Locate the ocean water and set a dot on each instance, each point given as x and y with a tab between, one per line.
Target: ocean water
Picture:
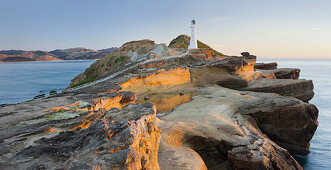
318	70
24	80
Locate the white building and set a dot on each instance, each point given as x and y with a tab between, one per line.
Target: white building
193	43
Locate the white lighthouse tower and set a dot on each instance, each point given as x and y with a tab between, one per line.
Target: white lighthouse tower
193	43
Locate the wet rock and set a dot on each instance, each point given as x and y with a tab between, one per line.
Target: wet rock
266	66
52	92
39	96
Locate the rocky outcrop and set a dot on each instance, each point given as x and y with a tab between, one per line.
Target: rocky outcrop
282	73
158	108
183	41
114	61
266	66
217	126
300	89
116	139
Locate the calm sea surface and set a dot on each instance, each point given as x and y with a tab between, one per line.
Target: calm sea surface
22	81
318	70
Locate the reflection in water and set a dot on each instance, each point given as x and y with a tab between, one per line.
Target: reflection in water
166	102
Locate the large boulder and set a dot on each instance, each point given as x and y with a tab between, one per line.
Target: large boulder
300	89
281	73
217	127
266	66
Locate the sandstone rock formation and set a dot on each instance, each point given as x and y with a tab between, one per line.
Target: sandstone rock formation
153	107
282	73
266	66
300	89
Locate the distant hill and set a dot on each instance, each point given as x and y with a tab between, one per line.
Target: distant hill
112	49
17	59
55	55
78	54
23	56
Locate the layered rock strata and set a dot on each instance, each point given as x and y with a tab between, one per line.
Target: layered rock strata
176	110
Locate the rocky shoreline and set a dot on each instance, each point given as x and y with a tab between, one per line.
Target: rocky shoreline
171	110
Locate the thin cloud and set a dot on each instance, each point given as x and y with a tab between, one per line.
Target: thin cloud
316	28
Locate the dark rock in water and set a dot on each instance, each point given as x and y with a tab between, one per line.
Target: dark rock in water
288	122
53	92
266	66
4	105
39	96
287	73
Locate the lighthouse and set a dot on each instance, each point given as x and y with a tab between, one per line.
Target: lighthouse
193	42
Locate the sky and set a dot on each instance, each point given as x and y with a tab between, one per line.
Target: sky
266	28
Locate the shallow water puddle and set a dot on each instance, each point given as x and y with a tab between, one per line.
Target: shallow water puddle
166	102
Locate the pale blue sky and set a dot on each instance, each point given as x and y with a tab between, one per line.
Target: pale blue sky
267	28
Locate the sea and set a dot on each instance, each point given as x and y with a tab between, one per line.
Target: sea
22	81
318	70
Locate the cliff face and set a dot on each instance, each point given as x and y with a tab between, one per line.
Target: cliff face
129	52
163	109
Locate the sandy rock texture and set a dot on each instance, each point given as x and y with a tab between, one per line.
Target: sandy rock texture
163	108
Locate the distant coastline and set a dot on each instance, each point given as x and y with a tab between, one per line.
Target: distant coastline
80	53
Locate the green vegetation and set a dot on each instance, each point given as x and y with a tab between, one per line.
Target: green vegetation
120	60
60	115
110	62
183	41
88	80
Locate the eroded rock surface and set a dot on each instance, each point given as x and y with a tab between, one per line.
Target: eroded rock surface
117	139
282	73
266	66
300	89
152	107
